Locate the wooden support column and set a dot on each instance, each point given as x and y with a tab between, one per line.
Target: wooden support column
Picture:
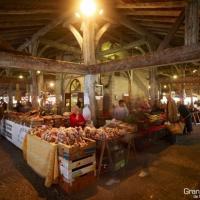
17	93
191	93
40	81
63	92
153	81
89	59
58	91
153	84
10	97
192	22
183	86
10	92
191	26
34	92
28	91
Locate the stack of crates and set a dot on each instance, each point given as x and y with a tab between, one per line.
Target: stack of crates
118	155
77	166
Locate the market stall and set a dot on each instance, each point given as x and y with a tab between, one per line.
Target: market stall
109	141
72	156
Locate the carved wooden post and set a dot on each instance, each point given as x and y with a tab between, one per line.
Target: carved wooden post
191	26
87	42
58	90
28	91
17	94
183	86
10	97
153	84
40	83
34	92
10	91
191	93
89	58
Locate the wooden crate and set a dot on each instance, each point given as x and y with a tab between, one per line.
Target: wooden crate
79	183
75	162
75	153
70	170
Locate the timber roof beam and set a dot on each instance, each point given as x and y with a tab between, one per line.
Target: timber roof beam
11	60
165	57
152	5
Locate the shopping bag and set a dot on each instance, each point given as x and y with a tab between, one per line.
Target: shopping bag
176	128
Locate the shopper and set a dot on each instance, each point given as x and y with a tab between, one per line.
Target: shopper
28	106
19	106
79	103
87	113
121	111
144	106
76	118
186	117
3	104
172	111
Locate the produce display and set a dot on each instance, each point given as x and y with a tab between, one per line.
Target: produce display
126	127
69	136
33	118
75	136
159	118
102	133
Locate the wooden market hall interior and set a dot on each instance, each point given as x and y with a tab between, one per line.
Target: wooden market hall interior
99	99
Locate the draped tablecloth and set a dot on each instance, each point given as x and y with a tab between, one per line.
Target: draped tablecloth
41	156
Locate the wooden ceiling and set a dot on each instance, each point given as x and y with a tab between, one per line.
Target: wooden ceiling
21	19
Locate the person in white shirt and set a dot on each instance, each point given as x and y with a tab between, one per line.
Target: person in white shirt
87	113
121	111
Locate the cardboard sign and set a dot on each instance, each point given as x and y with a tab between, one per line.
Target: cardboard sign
14	132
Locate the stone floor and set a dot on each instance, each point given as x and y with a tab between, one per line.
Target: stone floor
170	168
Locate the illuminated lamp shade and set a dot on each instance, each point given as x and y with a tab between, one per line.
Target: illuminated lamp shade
101	12
51	84
77	15
194	71
21	77
88	7
175	77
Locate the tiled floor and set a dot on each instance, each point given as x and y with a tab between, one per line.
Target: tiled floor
171	168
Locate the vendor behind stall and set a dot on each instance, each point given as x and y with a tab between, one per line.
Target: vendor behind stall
76	118
156	108
120	112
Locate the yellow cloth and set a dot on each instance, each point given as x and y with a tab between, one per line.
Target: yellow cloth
41	156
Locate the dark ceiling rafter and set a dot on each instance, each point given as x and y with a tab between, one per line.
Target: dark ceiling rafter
45	30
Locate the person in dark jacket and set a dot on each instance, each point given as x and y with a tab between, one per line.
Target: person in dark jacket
186	117
3	104
19	106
